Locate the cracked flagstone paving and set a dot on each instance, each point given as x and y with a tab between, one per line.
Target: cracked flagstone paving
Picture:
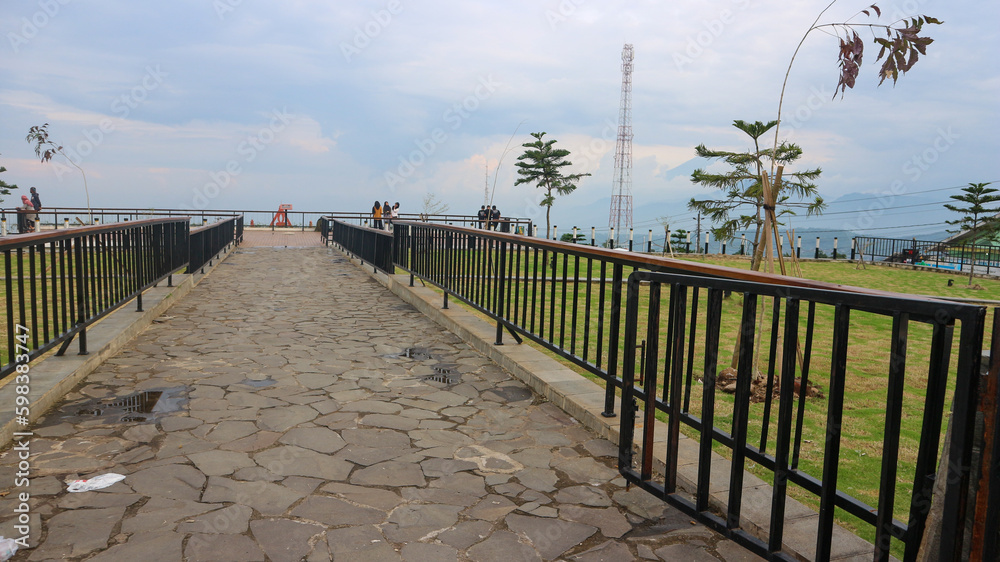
302	425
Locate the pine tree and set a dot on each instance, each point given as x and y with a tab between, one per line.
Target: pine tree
541	164
977	216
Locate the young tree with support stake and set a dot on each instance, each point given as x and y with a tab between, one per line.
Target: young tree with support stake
977	218
541	164
46	148
743	188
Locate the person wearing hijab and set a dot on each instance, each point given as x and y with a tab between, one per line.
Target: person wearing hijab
26	216
377	215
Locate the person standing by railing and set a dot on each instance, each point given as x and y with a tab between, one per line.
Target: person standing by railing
394	213
482	215
26	217
377	215
37	204
387	215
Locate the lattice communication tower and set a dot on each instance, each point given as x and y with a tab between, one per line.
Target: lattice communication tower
620	217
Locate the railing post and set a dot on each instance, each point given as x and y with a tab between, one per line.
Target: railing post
593	236
852	248
81	293
798	250
616	305
501	278
447	267
409	236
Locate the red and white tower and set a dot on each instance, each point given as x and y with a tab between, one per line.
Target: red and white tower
620	218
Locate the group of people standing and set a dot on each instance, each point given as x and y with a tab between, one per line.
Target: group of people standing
489	217
384	214
27	212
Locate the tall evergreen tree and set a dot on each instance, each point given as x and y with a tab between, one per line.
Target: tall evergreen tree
542	165
978	216
4	186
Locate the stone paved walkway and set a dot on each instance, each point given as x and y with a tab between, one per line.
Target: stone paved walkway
306	413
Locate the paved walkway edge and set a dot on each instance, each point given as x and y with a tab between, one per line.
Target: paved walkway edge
584	400
54	376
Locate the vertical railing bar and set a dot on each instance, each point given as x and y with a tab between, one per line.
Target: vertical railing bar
511	281
769	388
834	424
963	422
678	318
744	372
33	288
890	443
67	270
649	384
9	295
552	297
779	490
803	383
616	303
55	288
690	355
627	434
586	310
713	326
562	313
541	306
600	315
81	292
534	288
46	335
668	348
576	302
520	280
21	301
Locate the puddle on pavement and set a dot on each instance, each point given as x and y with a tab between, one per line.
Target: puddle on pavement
444	373
417	353
258	383
512	393
135	408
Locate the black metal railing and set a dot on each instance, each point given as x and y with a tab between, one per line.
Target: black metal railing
207	241
982	258
666	390
570	299
368	244
59	282
566	297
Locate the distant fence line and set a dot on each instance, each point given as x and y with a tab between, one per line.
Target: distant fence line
65	217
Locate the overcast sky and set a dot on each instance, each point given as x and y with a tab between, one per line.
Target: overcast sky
330	105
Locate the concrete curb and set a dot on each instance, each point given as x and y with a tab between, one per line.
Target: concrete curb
584	400
53	376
